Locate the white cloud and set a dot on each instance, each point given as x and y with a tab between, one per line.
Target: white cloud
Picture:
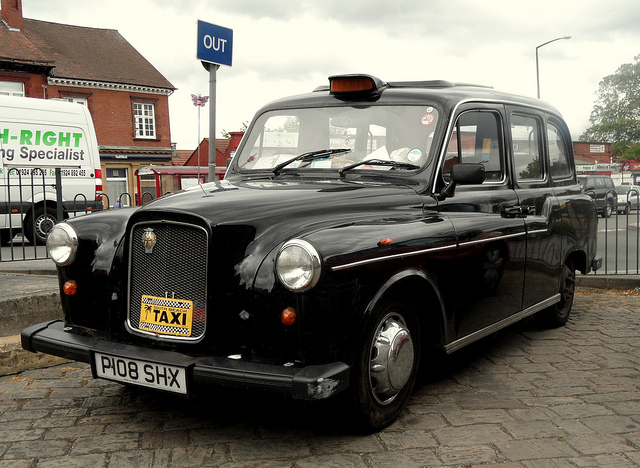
284	47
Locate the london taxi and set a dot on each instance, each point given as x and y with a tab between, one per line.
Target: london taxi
358	227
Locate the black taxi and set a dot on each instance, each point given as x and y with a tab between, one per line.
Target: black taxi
358	227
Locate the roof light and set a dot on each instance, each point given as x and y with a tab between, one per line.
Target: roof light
350	84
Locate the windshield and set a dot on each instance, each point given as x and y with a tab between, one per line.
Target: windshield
384	133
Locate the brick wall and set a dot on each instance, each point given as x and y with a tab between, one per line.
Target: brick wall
112	113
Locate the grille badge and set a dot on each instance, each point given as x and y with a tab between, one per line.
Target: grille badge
149	240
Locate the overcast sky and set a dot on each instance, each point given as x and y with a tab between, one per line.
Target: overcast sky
285	47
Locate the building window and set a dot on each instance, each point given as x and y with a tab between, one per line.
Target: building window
145	120
11	88
77	99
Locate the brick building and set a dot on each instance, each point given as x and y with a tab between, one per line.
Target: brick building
596	158
127	97
225	149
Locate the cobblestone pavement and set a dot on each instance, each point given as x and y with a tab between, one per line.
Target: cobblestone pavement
525	397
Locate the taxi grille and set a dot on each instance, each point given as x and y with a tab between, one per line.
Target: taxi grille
168	260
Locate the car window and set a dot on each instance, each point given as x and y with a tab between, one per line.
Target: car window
391	133
476	139
525	136
558	154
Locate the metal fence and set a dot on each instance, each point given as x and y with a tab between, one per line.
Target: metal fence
619	243
31	203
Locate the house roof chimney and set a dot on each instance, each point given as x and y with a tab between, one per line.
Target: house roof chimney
12	13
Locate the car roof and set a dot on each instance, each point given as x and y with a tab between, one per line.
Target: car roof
435	92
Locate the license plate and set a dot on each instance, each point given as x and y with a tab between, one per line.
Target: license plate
166	316
143	373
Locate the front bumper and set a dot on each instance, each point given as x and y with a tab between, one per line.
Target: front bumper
302	383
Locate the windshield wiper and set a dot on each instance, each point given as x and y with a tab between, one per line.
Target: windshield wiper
310	156
378	162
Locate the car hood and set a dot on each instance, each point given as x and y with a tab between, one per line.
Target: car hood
289	206
248	220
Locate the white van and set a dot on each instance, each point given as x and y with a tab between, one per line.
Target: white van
38	137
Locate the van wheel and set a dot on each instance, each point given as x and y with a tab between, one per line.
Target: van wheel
386	365
607	211
558	314
37	231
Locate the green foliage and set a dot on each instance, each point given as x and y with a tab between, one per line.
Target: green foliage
243	128
616	114
625	150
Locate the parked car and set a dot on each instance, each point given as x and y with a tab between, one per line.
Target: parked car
357	227
602	190
628	198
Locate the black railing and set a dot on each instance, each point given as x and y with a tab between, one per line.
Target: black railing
30	204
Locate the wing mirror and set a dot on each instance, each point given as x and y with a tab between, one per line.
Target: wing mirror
463	174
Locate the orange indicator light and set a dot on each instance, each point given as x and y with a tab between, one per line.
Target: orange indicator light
70	288
385	241
288	316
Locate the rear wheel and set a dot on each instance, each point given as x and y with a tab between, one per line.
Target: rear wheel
386	365
38	225
558	314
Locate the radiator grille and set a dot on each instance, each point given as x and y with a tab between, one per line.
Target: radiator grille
175	267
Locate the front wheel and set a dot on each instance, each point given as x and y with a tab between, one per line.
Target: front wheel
38	225
386	366
607	211
558	314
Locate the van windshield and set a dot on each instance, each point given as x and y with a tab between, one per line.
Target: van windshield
389	133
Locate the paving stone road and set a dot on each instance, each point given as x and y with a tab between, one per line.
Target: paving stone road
526	397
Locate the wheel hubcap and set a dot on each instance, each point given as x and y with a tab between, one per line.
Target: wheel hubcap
44	224
391	358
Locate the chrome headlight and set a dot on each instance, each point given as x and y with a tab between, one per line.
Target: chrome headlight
298	265
62	244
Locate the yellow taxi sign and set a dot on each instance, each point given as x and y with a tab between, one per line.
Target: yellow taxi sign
166	316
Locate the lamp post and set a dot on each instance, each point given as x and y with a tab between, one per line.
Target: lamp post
199	101
537	67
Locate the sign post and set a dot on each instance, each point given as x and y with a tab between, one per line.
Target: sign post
215	48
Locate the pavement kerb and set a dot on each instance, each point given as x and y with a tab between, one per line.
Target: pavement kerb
13	359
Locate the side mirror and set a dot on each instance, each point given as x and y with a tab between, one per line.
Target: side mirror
463	174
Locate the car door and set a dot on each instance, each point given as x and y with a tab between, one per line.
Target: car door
539	207
489	265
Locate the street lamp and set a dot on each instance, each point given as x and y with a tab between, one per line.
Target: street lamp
537	68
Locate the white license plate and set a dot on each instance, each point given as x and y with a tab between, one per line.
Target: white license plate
143	373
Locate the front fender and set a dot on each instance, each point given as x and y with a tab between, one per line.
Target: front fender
99	269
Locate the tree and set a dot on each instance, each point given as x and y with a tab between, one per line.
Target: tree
227	135
616	114
624	150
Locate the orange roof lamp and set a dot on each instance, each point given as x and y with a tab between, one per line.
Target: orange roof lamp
353	86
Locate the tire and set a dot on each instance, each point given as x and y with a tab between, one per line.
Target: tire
5	237
558	314
37	232
386	366
607	211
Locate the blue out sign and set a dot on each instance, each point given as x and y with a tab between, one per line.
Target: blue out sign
215	43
